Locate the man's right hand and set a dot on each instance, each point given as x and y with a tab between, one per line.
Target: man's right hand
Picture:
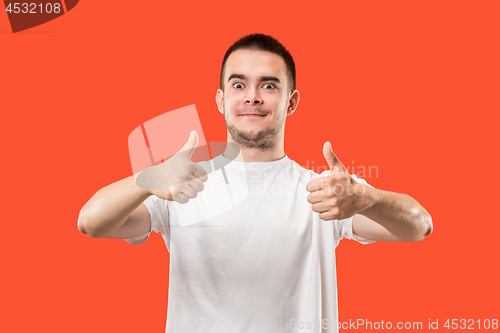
177	179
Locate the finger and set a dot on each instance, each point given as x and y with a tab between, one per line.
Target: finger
318	183
330	204
196	184
332	160
327	216
190	145
188	191
320	207
314	197
318	196
328	154
200	173
180	198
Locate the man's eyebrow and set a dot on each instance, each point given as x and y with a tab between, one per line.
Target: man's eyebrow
261	79
269	78
237	76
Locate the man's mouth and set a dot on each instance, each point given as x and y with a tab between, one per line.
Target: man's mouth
252	115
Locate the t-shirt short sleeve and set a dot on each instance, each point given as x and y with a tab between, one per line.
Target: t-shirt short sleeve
344	230
158	212
348	224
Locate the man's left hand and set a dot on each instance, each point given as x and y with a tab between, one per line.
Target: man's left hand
336	196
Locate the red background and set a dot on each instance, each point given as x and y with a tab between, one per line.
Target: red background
409	87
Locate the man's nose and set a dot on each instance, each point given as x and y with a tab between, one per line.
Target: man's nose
253	97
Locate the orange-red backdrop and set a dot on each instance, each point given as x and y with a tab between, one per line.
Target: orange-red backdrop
409	87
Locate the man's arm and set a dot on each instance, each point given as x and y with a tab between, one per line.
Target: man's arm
378	215
391	217
116	211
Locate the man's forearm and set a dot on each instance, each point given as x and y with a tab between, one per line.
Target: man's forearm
399	213
108	209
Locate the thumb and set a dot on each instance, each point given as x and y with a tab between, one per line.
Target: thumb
190	145
330	157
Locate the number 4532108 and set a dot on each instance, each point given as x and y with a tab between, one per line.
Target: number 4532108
33	8
471	324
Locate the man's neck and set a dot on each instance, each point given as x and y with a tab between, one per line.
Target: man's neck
245	154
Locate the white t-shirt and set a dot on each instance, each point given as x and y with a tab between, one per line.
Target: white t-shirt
249	254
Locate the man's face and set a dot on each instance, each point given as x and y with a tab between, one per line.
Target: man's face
256	98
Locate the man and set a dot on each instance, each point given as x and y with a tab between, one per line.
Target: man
268	264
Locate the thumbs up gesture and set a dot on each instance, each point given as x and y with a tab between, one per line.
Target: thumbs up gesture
177	179
336	196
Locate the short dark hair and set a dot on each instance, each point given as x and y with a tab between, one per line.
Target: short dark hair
261	42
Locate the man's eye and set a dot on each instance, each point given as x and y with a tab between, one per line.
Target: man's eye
269	86
237	85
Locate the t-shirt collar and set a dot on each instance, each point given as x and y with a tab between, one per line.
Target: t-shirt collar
251	165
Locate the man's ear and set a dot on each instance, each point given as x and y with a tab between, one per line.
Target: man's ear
293	102
219	99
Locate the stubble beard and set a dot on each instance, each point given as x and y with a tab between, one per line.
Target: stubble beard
265	139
